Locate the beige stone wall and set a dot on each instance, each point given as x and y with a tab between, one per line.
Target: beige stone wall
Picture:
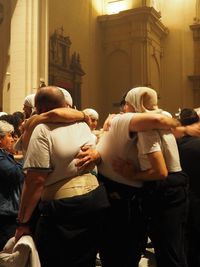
29	54
25	56
178	54
5	54
79	20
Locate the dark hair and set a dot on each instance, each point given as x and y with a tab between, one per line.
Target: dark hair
123	101
188	116
19	115
13	120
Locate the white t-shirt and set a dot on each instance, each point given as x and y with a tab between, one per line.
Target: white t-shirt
158	140
117	142
53	147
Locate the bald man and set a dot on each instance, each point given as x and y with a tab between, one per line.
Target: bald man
72	201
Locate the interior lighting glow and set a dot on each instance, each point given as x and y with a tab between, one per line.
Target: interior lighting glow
116	6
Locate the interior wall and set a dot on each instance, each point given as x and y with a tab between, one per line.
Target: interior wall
78	19
178	58
6	13
80	23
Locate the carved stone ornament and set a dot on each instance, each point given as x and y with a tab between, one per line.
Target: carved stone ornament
1	13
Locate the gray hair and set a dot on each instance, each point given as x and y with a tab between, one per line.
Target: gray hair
5	128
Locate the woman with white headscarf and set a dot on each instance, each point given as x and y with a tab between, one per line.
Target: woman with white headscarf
165	200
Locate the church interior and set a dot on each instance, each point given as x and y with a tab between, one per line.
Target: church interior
99	49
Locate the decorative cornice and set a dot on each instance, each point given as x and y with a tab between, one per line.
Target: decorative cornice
141	14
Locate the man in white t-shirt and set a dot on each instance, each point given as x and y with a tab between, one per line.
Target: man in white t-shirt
72	201
123	225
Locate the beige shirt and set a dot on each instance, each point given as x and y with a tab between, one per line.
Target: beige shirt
117	142
158	140
53	148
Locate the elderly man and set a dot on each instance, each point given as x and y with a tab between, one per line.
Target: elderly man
28	105
72	201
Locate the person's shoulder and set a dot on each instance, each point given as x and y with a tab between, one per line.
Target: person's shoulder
123	116
166	113
43	127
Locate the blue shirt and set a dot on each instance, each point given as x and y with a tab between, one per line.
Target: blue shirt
11	179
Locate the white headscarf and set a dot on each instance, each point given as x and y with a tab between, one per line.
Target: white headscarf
67	96
3	113
143	99
91	113
30	100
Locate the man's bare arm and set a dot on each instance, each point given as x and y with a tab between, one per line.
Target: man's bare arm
192	129
145	121
56	115
126	168
31	194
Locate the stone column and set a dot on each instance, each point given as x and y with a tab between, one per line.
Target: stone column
28	49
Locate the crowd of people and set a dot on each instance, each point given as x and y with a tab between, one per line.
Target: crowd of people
80	191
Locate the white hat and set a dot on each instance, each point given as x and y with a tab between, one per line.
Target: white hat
67	96
30	100
142	99
3	113
91	113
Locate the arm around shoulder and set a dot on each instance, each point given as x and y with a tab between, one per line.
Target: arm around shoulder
149	121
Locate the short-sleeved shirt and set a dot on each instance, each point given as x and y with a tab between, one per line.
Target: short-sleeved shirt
158	140
117	142
53	148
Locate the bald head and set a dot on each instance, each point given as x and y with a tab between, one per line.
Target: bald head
48	98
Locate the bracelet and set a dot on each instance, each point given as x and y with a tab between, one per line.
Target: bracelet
85	117
21	223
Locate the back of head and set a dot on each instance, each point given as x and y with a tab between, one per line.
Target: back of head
91	113
5	128
48	98
188	116
143	99
20	115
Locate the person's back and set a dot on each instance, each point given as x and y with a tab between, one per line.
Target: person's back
189	149
121	144
62	144
71	199
124	221
165	200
